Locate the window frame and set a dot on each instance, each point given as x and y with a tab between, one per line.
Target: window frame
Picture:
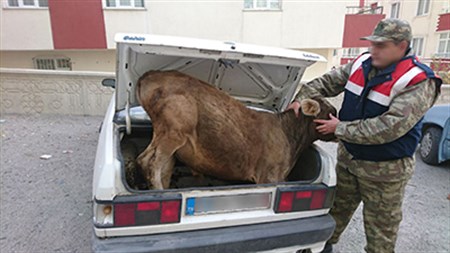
397	13
21	5
119	6
446	45
445	8
416	52
266	8
425	11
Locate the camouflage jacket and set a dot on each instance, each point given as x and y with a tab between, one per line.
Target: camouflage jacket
405	110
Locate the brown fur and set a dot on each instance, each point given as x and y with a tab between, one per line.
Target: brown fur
214	134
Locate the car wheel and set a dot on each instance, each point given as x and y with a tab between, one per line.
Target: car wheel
429	145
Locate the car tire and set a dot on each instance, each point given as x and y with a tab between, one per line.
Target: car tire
429	145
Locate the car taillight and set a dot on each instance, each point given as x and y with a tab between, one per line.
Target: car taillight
146	213
286	201
170	212
302	199
124	214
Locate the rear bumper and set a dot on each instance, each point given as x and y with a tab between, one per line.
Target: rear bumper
256	237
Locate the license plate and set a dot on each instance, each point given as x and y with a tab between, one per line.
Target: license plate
230	203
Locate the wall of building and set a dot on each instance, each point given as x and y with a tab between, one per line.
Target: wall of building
298	25
35	92
25	29
82	60
314	25
124	21
208	19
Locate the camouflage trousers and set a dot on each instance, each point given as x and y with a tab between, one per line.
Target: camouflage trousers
382	202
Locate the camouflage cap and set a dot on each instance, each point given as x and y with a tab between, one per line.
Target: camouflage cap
391	29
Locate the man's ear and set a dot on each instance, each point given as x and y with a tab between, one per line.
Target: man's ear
404	45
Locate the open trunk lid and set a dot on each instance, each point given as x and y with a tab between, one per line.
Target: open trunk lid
259	76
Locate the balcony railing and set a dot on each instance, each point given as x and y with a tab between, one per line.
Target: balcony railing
442	55
443	23
364	10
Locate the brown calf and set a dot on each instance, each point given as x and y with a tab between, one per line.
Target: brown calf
216	135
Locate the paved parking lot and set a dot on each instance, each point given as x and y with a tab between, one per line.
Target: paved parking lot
46	204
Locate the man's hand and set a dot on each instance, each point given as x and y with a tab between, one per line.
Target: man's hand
294	106
327	126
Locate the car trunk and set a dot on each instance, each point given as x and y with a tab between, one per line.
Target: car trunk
206	202
264	79
306	170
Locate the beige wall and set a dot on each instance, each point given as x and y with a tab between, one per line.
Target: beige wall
33	92
299	24
208	19
91	60
263	27
131	21
25	29
314	24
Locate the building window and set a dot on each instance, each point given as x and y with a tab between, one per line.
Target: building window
262	4
417	46
395	10
423	7
52	63
443	50
351	52
27	3
125	3
445	7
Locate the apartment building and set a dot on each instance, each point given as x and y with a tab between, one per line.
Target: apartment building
78	35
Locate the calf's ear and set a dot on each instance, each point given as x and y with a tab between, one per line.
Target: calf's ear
310	107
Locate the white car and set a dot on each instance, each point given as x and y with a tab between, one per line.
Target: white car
209	215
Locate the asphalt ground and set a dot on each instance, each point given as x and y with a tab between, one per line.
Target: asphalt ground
45	204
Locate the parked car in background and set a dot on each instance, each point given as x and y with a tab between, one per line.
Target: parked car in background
435	144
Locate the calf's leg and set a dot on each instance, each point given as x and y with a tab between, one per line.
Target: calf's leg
158	159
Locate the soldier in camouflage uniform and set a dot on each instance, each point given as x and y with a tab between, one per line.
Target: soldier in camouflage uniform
386	93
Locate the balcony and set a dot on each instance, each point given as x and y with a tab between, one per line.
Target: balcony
443	22
77	24
360	22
